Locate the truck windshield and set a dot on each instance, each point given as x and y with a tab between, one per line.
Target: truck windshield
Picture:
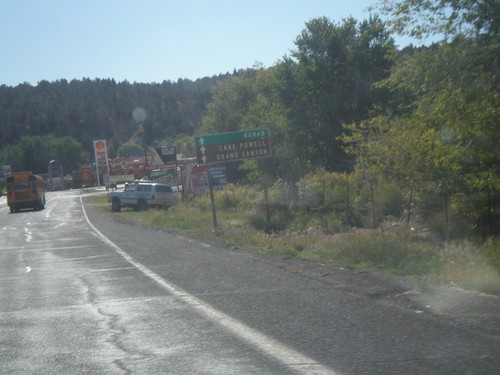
130	187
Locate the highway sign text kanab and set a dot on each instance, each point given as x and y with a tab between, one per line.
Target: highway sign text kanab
219	148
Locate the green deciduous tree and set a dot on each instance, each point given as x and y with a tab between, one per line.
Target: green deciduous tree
328	81
130	149
448	140
33	153
230	103
250	101
421	18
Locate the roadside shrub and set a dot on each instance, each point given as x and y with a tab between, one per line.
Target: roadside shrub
235	197
479	212
390	199
332	195
274	225
491	250
325	223
201	202
273	214
468	265
456	228
392	251
280	194
312	189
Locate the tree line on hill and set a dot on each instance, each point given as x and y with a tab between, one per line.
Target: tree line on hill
87	109
345	100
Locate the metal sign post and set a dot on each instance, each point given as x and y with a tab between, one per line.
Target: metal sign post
212	200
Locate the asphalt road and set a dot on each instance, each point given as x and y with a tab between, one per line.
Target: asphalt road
82	293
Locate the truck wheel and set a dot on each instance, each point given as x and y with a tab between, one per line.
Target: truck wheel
116	204
142	205
39	205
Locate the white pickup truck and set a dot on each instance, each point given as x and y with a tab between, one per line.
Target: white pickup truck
141	195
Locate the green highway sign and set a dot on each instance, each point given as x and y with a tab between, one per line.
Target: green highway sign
223	147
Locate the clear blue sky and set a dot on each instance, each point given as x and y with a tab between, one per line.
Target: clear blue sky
152	40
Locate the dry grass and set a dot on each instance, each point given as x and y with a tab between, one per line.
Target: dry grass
460	263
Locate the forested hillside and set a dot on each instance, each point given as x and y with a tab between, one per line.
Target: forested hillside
305	98
103	109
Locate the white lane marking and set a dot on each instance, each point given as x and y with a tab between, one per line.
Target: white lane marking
113	269
58	248
16	248
291	358
53	234
29	237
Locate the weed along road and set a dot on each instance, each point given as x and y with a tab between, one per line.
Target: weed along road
82	293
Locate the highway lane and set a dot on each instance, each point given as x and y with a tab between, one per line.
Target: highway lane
80	293
71	304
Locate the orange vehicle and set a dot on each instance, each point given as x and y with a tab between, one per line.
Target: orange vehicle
25	190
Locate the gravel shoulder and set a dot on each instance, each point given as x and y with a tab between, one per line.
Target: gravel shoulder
466	309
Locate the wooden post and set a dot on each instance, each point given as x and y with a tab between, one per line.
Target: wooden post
446	219
348	208
409	210
212	200
373	205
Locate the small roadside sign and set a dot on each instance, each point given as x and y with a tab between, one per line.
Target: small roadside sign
166	154
218	176
6	170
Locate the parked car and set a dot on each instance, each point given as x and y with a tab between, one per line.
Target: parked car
141	195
